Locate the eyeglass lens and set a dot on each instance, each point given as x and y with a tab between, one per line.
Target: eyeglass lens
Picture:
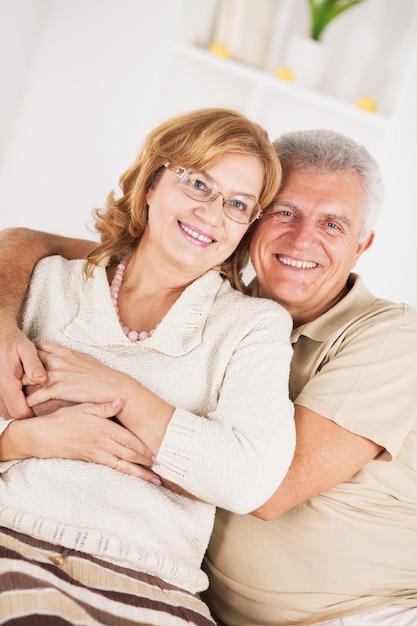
199	186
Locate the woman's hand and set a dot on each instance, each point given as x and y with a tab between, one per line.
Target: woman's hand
75	377
80	432
18	357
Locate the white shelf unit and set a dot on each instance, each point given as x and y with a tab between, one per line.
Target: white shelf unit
196	77
276	104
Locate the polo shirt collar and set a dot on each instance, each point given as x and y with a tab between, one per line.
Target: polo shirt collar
357	299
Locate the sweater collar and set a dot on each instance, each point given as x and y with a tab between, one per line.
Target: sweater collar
178	333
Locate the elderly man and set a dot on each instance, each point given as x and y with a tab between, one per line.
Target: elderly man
342	546
339	546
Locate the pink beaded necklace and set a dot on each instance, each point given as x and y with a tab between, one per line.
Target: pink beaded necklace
116	283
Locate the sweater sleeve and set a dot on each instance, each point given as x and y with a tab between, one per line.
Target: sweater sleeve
4	465
238	455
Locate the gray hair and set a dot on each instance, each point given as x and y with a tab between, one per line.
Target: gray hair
329	151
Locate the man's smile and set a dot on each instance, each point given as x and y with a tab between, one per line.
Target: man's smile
303	265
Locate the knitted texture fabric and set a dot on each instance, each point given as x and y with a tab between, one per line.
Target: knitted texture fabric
222	359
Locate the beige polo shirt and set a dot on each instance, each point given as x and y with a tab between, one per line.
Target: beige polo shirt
353	548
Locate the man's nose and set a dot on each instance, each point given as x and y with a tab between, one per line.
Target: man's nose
302	234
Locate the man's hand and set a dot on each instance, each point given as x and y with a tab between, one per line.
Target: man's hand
74	376
47	407
18	356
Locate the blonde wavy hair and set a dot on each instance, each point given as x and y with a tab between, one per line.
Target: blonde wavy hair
192	140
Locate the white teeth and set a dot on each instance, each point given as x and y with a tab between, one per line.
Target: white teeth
196	235
303	265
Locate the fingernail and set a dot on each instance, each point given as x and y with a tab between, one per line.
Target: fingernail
116	403
156	481
38	373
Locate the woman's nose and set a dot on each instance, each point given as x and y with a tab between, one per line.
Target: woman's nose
211	212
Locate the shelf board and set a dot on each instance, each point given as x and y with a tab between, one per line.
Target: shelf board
260	78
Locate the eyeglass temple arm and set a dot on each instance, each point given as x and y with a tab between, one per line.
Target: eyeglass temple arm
179	171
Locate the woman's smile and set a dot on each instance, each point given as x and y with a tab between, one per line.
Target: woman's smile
195	235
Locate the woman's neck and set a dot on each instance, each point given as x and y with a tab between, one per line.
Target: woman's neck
141	293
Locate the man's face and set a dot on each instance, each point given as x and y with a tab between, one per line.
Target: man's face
306	244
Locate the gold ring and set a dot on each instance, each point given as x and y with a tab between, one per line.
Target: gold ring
117	464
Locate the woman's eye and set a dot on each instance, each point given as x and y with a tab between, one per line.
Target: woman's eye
199	184
238	205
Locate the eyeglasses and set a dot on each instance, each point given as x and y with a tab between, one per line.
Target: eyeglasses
200	186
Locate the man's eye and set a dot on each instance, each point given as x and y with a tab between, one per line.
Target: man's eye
333	226
283	216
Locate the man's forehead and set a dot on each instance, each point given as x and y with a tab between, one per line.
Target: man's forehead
336	188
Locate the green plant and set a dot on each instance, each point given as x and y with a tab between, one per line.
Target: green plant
324	11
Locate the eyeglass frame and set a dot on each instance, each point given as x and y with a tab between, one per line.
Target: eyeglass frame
181	171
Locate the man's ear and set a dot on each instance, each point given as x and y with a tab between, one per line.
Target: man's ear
364	245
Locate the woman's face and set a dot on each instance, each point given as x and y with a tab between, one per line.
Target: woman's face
195	236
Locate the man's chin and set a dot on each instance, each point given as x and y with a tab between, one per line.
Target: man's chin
290	292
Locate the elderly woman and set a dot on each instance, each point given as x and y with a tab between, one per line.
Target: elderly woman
153	329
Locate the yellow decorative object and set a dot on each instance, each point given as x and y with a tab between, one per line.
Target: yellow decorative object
220	49
367	103
284	73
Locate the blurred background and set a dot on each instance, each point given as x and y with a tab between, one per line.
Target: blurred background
83	81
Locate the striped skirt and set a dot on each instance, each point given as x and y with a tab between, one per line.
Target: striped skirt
42	585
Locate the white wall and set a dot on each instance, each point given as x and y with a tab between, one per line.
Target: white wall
390	266
76	119
78	80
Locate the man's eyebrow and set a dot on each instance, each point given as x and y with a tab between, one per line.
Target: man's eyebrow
336	217
285	203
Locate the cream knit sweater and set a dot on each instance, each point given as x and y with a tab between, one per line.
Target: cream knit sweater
222	359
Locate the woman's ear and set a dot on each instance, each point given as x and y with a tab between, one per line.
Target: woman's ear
149	195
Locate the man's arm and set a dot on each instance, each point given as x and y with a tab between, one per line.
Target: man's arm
20	250
326	455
